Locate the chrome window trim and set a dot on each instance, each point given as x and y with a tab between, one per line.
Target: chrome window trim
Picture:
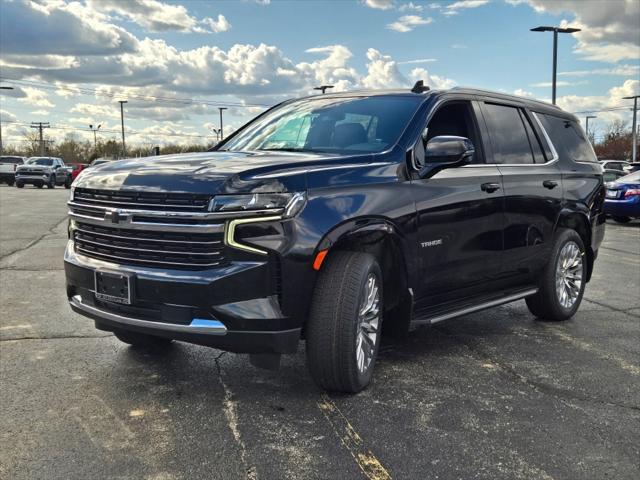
554	152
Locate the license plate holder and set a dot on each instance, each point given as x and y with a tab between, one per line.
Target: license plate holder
113	287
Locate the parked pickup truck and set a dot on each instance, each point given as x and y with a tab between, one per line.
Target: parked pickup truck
8	165
41	171
336	218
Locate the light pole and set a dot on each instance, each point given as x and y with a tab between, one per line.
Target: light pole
124	148
2	88
95	139
586	126
323	88
634	131
221	131
555	31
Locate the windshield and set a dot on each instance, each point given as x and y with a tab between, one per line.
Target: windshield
337	125
40	161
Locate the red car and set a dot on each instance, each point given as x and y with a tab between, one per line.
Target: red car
77	168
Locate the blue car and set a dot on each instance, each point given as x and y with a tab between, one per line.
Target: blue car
623	198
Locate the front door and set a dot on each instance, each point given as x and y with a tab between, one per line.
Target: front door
460	217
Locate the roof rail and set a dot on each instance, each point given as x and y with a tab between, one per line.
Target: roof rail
420	87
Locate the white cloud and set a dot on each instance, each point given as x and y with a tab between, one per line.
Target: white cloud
382	71
36	97
454	8
157	16
458	46
378	4
609	31
523	93
406	23
433	81
621	70
407	7
417	61
561	83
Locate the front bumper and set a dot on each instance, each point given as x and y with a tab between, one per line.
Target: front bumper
31	179
233	308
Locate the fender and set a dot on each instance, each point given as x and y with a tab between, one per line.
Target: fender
580	221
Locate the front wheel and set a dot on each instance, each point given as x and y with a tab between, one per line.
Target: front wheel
19	184
52	182
39	185
141	340
561	285
343	332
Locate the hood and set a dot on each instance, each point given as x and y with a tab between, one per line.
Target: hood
211	172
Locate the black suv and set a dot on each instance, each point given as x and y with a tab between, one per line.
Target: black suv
338	217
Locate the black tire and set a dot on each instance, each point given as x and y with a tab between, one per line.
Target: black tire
40	185
333	326
622	219
52	182
142	340
67	183
546	304
10	183
19	184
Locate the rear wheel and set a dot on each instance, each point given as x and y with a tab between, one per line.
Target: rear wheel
622	219
19	184
142	340
343	332
562	283
39	184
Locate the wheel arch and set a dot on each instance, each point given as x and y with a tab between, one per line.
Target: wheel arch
581	224
381	238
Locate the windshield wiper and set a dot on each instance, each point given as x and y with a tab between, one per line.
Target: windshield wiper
288	149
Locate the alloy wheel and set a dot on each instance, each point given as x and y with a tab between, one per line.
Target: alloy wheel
569	274
368	324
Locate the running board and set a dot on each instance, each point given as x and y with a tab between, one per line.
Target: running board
439	317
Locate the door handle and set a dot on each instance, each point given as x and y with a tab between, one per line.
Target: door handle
490	187
550	184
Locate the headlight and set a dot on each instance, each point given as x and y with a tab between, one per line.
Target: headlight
73	189
290	203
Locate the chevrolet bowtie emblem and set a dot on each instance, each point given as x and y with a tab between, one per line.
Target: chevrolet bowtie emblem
115	216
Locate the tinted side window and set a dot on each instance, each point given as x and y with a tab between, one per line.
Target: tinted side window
508	135
569	136
533	140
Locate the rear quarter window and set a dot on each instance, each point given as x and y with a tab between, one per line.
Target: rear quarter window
568	136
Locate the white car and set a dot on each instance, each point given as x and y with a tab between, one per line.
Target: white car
8	165
41	171
616	165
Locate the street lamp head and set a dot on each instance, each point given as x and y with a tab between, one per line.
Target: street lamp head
631	97
569	30
591	116
545	28
6	88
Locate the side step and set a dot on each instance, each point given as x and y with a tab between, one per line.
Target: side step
438	315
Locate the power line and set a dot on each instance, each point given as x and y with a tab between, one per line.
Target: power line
40	126
88	90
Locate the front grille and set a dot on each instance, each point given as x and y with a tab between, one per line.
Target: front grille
30	172
150	248
180	202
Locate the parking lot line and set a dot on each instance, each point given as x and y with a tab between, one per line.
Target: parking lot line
366	460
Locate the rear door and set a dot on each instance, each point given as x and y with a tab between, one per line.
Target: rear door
532	185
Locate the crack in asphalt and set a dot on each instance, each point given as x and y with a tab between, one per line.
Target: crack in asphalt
53	337
36	240
616	309
231	414
546	389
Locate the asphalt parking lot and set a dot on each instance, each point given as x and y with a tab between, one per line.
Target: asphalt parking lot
493	395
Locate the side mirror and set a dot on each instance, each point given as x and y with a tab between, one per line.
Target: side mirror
446	151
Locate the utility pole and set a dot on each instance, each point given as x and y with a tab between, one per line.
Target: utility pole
586	126
41	126
95	139
634	130
221	131
555	31
323	88
217	132
2	88
124	147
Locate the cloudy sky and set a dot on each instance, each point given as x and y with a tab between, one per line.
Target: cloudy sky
175	62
